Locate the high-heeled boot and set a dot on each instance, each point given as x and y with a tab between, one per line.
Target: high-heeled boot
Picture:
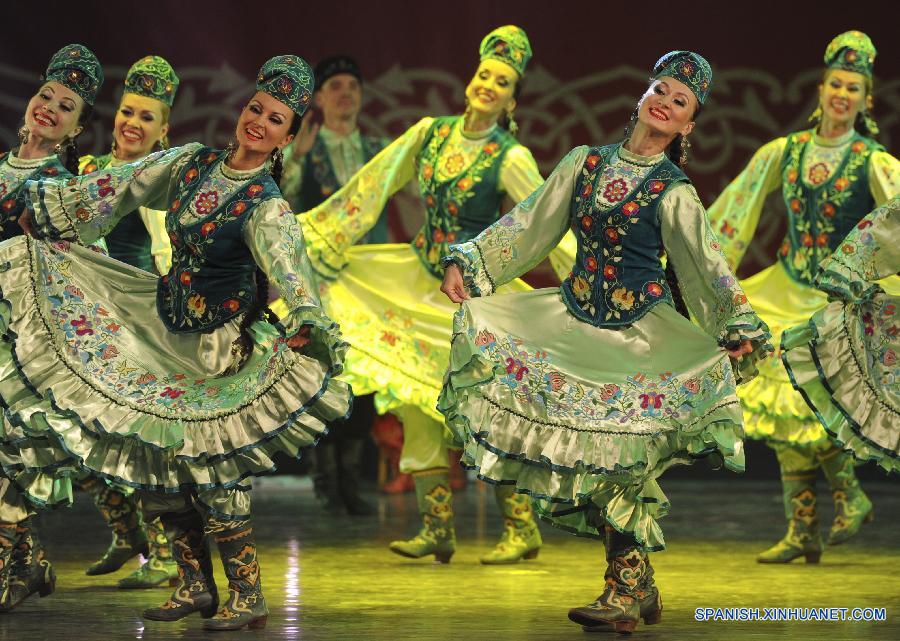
521	537
245	605
122	515
630	593
802	538
160	566
196	589
437	535
852	507
7	542
31	572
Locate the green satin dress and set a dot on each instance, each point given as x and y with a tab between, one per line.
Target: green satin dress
585	417
846	360
93	381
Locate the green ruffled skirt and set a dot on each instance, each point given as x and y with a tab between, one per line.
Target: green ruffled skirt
773	410
91	381
398	324
584	418
846	363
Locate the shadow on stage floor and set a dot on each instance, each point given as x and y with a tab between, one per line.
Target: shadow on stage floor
331	577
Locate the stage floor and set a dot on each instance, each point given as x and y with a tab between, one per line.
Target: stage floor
332	577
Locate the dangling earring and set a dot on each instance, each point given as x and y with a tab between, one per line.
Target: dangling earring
277	156
467	112
112	147
163	143
23	135
231	148
511	124
871	125
685	146
59	147
816	116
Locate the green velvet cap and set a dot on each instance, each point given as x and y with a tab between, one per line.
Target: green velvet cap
153	77
289	79
688	67
851	51
77	68
507	44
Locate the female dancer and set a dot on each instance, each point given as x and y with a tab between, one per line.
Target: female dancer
387	297
186	405
140	239
830	177
582	396
844	361
54	118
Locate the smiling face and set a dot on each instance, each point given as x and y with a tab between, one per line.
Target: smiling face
340	96
264	125
53	112
492	90
141	122
842	95
668	107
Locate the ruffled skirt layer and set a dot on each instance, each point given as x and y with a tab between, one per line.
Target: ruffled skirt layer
585	418
398	324
91	381
773	410
846	362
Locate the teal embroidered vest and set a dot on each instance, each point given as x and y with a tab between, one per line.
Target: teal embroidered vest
459	208
128	241
320	181
820	217
12	202
618	276
212	278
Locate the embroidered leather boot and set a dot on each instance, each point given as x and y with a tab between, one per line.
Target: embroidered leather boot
31	572
620	604
802	538
852	507
521	537
159	567
7	542
646	592
122	515
196	589
437	535
245	605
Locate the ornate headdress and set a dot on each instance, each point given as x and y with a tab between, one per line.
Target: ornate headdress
289	79
507	44
690	68
77	68
152	77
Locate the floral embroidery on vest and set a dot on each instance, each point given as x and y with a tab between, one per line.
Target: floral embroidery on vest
821	210
12	194
199	293
615	281
461	206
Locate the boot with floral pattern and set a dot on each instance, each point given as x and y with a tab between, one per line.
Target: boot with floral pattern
629	586
31	572
196	589
802	538
245	605
437	535
159	567
122	515
852	507
7	542
521	537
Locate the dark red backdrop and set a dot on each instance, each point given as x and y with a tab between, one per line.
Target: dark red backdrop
591	62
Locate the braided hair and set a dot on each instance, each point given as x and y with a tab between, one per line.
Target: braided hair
70	153
259	309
